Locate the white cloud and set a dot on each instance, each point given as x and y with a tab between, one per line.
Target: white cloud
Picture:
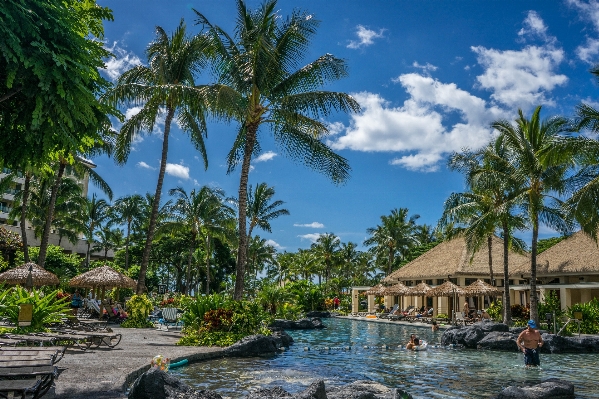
144	165
520	79
267	156
589	11
534	26
177	170
314	225
312	237
123	61
366	37
425	67
131	112
335	128
275	244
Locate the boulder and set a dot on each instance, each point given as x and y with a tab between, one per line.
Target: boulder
314	391
499	340
318	314
156	384
552	388
365	390
303	324
269	393
558	344
467	336
253	345
489	326
282	338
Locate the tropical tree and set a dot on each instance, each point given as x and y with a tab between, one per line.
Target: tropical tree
394	236
108	238
260	211
165	87
261	83
93	214
128	209
326	248
534	152
260	255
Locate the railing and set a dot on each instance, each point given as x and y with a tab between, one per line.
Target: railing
5	209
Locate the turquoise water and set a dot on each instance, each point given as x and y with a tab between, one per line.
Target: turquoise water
435	373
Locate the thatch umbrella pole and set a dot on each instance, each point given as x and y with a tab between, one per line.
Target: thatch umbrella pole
102	302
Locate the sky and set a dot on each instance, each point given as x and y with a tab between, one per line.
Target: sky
430	77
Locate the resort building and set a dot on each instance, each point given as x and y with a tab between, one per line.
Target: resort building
6	205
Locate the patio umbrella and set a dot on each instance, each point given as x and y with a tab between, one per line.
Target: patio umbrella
36	275
479	287
449	290
419	290
376	290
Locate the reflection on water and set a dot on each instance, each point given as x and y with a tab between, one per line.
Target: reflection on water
435	373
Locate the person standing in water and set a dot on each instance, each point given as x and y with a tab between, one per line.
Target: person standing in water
529	341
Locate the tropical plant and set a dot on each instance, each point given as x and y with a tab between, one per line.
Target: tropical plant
138	308
47	307
326	248
165	87
260	211
128	209
259	84
196	308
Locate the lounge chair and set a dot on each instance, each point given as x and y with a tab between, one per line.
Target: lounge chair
26	378
386	315
411	316
170	317
55	354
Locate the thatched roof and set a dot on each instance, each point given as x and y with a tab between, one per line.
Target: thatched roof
398	289
39	276
104	276
420	289
376	290
452	257
479	287
576	254
446	289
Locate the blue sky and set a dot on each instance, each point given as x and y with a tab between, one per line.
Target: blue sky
430	76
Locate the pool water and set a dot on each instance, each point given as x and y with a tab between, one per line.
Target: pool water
435	373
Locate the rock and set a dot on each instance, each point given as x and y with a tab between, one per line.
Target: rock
156	384
499	340
552	388
314	391
490	326
558	344
318	314
303	324
282	338
365	390
253	345
467	336
269	393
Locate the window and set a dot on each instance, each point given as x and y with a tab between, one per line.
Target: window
429	282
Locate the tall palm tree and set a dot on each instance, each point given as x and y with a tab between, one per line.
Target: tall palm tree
165	87
129	209
534	150
260	82
204	214
93	214
394	236
260	211
326	248
260	255
108	238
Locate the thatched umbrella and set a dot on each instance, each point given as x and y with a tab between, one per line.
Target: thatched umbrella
398	289
376	290
447	289
38	276
479	287
419	290
102	277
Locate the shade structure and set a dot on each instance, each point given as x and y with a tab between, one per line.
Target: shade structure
398	289
39	275
479	287
104	277
376	290
420	289
446	289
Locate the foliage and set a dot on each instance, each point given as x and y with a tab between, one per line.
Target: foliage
308	296
9	240
138	308
590	317
546	243
520	312
65	266
495	310
289	311
442	316
47	308
271	296
195	308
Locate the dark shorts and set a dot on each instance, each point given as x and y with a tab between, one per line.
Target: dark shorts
531	357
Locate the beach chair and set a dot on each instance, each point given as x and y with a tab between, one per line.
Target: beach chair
170	317
411	316
27	379
386	315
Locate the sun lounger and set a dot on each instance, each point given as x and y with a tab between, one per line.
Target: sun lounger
170	317
31	339
69	340
54	353
386	315
94	338
26	380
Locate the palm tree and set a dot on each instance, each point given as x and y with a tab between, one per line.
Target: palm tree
108	238
165	87
94	212
129	209
394	236
259	84
534	146
260	254
204	215
260	211
326	248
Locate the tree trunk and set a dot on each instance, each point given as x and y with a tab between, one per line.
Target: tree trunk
490	245
207	265
189	261
507	306
87	255
24	199
46	234
127	244
141	282
534	313
250	141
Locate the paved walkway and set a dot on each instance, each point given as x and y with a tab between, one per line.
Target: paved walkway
105	373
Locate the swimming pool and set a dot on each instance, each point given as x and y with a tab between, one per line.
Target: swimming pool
435	373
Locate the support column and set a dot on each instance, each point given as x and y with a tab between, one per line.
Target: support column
565	298
355	301
371	303
388	301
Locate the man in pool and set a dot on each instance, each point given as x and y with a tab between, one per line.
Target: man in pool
412	343
529	341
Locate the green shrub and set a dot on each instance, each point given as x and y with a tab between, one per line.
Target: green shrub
289	311
138	309
590	317
47	308
495	310
195	308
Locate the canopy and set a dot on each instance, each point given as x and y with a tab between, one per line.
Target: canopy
105	277
398	289
376	290
39	275
446	289
420	289
479	287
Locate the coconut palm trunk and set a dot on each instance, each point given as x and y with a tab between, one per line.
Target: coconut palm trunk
208	264
141	282
507	306
188	271
46	235
490	246
252	129
534	312
25	198
127	244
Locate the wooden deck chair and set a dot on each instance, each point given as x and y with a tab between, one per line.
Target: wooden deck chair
170	317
